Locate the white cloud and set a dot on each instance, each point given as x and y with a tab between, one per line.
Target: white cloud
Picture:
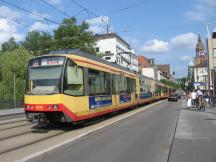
209	2
9	28
185	58
7	12
184	41
156	46
195	15
41	27
55	2
202	10
98	24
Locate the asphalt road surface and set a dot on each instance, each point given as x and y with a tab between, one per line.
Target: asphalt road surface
144	137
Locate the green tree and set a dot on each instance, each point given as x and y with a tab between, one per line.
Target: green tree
170	83
38	43
10	45
70	35
13	62
100	54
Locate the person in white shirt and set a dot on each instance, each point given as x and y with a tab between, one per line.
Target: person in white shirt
199	93
199	98
193	97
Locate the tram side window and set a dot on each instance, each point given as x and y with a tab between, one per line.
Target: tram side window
117	84
113	84
123	84
142	85
133	85
94	82
105	83
128	85
73	80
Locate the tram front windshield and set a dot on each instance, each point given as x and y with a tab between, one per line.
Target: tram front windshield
44	75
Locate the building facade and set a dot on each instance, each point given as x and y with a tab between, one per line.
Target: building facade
166	71
212	62
116	50
191	72
146	68
200	67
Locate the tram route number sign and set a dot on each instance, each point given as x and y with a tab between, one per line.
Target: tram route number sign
99	101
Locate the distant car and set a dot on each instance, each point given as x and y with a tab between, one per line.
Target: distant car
173	97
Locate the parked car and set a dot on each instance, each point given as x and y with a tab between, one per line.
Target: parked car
173	97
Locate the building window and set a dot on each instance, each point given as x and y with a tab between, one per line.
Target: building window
214	52
107	58
107	52
97	49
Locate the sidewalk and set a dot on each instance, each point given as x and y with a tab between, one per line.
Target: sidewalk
11	111
195	138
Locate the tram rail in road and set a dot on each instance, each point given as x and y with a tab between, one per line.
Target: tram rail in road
30	145
6	114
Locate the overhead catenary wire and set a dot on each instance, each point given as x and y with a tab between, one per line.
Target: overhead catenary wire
30	12
16	21
60	11
81	6
20	23
127	7
78	13
88	11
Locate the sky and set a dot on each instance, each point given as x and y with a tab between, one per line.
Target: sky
164	30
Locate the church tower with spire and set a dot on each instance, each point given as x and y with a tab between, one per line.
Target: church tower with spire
199	47
201	58
200	71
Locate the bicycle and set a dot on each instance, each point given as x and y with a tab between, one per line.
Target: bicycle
201	103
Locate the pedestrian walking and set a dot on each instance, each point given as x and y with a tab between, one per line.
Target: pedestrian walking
189	100
193	97
206	96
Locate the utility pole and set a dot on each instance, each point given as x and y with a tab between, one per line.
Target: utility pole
14	85
207	53
107	28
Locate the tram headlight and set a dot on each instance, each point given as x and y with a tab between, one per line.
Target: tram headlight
55	107
49	107
28	107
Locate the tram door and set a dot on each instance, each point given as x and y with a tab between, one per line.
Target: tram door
114	85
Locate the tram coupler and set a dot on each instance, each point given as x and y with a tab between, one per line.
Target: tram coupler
36	118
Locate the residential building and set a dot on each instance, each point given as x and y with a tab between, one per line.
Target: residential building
145	68
116	50
212	62
166	70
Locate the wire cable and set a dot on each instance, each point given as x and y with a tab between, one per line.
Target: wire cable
14	20
30	12
127	7
81	6
60	11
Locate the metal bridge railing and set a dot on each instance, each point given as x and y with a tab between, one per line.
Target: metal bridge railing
9	104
